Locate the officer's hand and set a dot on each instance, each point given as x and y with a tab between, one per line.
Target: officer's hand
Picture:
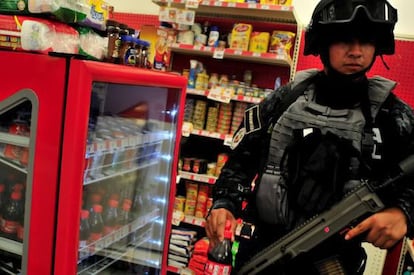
384	229
215	223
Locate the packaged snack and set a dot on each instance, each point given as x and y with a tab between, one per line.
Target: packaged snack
240	36
259	42
281	42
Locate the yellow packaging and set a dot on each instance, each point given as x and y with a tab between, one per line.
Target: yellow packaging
179	203
284	2
269	2
240	36
189	209
259	42
192	191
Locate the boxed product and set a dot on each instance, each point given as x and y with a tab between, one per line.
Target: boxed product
259	42
36	34
240	36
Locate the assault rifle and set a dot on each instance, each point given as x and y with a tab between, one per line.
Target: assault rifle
357	204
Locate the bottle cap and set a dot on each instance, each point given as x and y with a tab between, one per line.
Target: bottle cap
16	195
227	230
97	208
84	214
113	203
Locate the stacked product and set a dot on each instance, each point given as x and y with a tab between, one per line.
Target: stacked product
212	117
199	114
181	247
224	121
199	257
238	115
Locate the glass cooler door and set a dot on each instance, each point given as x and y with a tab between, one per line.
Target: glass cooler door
126	185
16	124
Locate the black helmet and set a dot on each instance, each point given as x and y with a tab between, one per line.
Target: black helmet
334	20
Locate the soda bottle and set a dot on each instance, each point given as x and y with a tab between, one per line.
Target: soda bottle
96	223
12	212
110	217
125	213
84	234
2	196
220	257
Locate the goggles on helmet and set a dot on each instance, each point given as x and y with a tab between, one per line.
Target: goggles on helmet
340	11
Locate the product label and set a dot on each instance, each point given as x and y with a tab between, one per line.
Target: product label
213	268
9	227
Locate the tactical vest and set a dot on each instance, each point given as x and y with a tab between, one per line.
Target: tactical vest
305	113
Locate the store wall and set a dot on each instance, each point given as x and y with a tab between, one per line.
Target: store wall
303	8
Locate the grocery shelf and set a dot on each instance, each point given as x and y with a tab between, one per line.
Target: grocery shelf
17	140
240	55
13	164
254	11
198	177
242	98
11	246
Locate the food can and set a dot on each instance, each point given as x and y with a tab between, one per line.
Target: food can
179	203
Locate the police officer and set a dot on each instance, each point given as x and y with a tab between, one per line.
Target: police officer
359	130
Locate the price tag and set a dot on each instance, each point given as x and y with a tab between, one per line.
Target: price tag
251	6
217	3
220	94
238	52
186	129
185	17
256	54
231	4
218	53
228	140
191	4
177	217
167	14
265	7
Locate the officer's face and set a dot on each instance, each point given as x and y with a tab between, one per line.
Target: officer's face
351	56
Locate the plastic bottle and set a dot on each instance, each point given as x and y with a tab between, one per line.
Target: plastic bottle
110	217
84	233
12	212
96	223
3	196
124	216
220	256
213	37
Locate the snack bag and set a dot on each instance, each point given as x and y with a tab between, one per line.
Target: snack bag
281	42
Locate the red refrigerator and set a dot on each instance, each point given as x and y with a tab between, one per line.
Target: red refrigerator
88	157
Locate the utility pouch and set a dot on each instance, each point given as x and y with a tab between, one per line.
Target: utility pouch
271	198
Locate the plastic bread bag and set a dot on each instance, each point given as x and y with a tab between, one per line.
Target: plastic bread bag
68	11
92	45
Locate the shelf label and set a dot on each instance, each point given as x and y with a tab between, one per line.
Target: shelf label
228	140
167	14
191	4
251	5
217	3
186	129
177	217
220	94
218	53
185	17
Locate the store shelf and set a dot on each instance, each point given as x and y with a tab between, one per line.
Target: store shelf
242	98
13	165
240	55
198	177
255	11
11	246
100	245
17	140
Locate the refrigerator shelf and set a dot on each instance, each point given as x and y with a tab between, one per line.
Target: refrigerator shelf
110	239
17	140
102	177
13	165
11	246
